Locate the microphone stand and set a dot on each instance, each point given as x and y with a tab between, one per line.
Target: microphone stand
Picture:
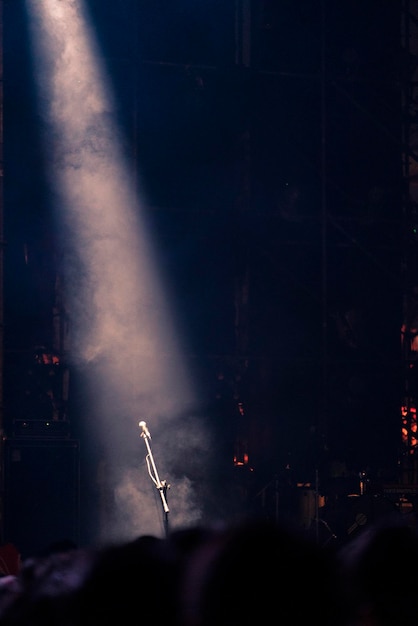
161	485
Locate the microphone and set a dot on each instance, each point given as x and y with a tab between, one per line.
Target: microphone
145	430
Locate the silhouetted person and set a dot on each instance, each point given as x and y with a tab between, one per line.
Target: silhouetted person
130	583
380	574
10	560
44	589
258	572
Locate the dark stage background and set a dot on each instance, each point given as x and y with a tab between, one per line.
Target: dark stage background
268	139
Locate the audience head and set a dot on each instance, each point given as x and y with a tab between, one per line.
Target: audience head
380	574
43	590
133	582
256	571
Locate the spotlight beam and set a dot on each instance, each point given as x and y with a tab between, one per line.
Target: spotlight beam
121	324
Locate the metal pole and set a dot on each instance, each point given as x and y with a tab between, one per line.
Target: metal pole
161	485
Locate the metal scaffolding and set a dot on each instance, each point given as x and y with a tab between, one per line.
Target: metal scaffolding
409	329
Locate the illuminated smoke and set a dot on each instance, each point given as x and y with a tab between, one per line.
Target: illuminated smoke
122	339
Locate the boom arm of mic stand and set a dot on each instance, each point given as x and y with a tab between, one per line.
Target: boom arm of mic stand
162	486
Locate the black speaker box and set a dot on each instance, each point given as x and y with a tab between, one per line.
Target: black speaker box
41	504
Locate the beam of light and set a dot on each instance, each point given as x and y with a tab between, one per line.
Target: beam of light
122	336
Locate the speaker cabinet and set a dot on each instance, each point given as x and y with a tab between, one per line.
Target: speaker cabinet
41	494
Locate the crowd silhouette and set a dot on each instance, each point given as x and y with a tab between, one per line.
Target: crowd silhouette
238	573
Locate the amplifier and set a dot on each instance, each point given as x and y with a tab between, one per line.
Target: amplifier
42	429
41	493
